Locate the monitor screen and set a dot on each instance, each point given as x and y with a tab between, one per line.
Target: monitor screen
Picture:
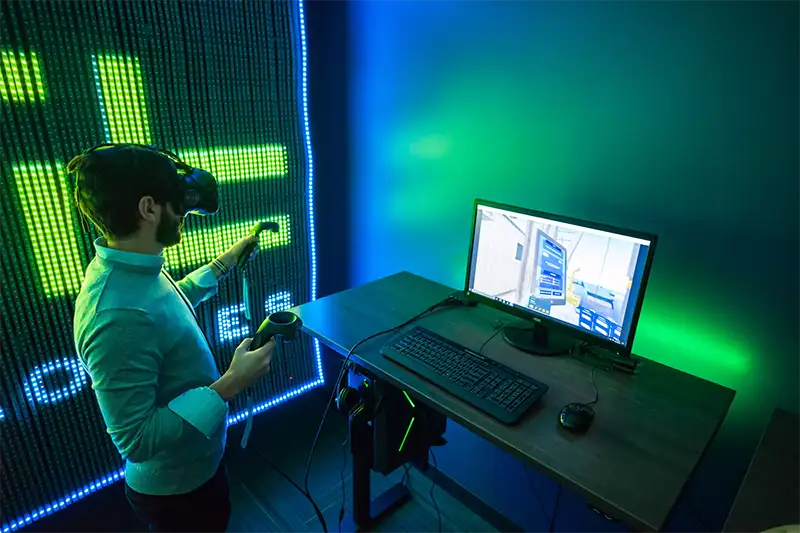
579	276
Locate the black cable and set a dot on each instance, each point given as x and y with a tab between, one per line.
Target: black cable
295	485
555	510
450	300
406	477
696	514
433	485
536	493
487	341
341	476
594	385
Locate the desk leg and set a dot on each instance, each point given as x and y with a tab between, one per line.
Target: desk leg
368	512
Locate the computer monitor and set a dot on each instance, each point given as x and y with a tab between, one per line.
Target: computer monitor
574	279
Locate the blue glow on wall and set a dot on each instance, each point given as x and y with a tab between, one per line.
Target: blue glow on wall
37	391
229	324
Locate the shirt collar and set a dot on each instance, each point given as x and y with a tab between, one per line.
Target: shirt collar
129	260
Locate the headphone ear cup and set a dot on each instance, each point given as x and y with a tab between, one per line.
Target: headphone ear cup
347	399
360	413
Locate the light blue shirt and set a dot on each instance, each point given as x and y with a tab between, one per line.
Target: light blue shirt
150	365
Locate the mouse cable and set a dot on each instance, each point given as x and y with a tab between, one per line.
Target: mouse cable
555	510
450	301
299	489
594	385
433	486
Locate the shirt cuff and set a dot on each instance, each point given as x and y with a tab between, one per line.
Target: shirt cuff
204	277
202	408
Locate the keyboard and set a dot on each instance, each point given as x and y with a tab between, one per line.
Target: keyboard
495	389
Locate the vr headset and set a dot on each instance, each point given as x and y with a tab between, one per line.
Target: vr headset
193	190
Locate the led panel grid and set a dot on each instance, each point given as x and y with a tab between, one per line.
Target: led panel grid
121	91
22	80
120	72
200	246
240	163
50	219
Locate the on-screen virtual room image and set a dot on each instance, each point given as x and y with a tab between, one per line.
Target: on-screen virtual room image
580	276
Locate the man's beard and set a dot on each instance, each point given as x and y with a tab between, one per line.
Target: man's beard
168	231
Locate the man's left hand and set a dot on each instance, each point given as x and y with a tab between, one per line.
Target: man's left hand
231	256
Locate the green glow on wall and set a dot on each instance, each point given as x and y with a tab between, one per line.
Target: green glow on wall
240	163
122	91
695	344
18	86
50	220
202	245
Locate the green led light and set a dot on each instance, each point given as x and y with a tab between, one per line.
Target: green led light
18	86
240	163
409	400
408	430
50	221
202	245
123	98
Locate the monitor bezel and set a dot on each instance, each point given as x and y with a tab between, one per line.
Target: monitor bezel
623	350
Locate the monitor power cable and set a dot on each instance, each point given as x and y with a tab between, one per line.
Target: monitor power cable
451	301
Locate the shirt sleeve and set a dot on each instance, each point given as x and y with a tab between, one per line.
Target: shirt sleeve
199	285
123	359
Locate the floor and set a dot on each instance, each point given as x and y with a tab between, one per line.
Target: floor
262	500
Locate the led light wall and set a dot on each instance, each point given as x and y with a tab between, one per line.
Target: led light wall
222	84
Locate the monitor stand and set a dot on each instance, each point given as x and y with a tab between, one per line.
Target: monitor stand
538	340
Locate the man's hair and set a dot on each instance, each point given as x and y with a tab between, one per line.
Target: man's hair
110	182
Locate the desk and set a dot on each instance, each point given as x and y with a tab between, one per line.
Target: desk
769	493
649	433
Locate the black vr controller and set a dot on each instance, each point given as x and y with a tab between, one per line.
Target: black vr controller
249	252
282	324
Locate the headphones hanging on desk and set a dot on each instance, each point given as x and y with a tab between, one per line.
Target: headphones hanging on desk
357	403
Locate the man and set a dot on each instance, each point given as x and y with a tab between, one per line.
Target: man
156	382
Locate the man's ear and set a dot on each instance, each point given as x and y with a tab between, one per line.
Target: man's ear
149	210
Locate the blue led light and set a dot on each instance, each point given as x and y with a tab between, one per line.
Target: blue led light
55	506
310	158
38	391
2	414
228	323
235	419
280	301
35	388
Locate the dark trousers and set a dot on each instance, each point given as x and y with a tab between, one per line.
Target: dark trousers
206	508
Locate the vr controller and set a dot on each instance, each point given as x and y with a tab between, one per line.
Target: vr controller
282	324
249	252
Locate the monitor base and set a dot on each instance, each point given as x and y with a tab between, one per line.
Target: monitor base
538	340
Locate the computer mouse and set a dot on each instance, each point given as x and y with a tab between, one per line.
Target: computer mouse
576	417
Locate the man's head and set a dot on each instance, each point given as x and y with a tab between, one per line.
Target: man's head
128	192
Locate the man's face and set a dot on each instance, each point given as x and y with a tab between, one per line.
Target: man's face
168	231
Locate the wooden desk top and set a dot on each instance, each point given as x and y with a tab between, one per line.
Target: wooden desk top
769	496
649	432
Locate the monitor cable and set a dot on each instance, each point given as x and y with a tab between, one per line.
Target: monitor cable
454	300
555	510
433	486
536	493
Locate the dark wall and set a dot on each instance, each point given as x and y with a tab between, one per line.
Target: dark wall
328	79
677	118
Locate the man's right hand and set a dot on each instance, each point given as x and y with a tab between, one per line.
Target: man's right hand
246	368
